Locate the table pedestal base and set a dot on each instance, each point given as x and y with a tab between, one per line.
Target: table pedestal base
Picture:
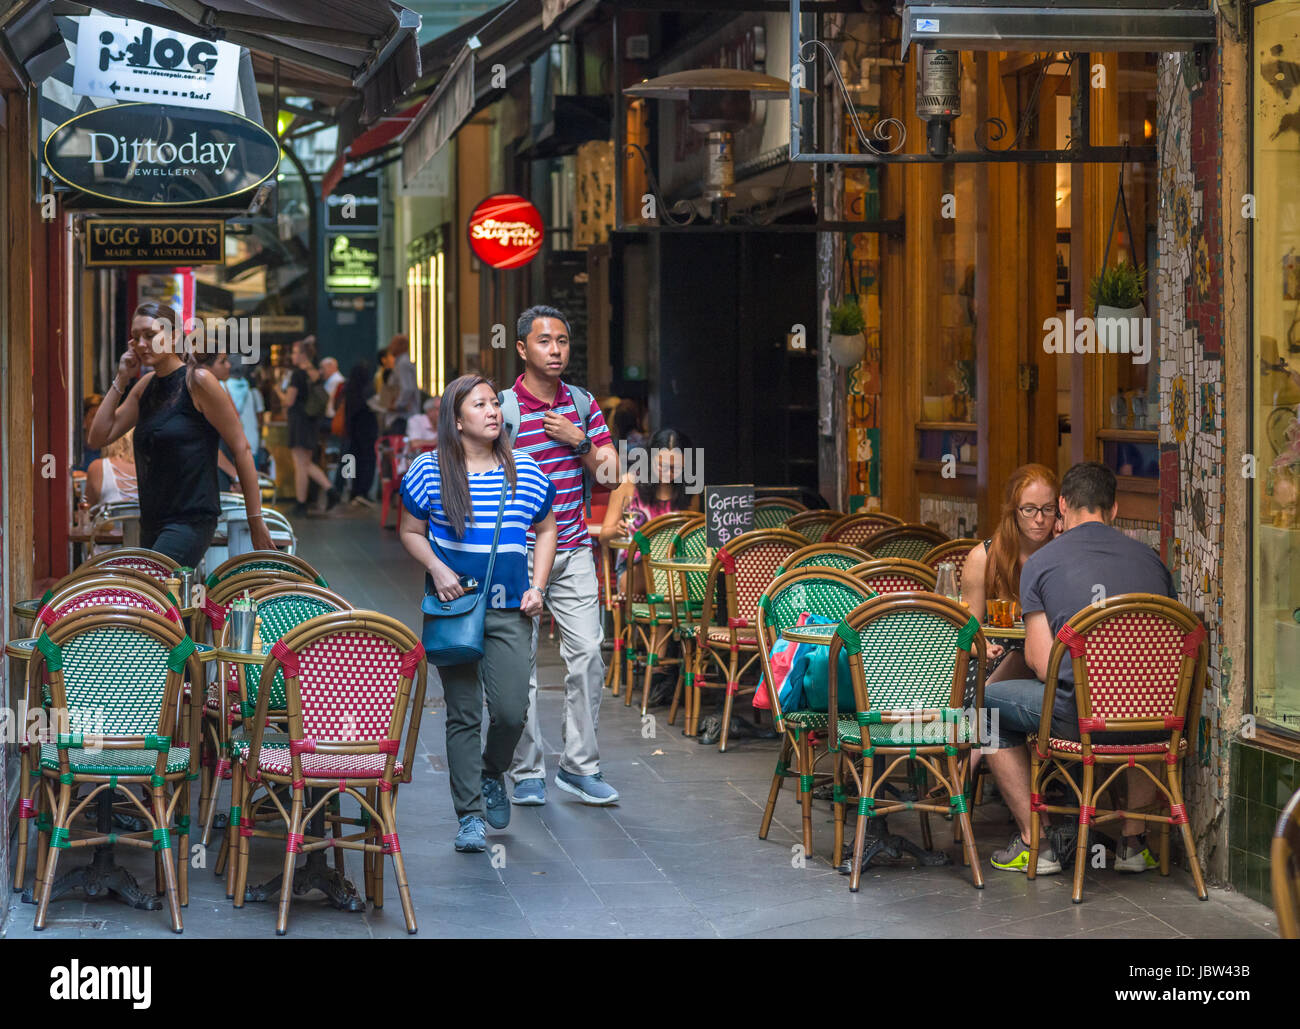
880	840
739	729
314	874
102	877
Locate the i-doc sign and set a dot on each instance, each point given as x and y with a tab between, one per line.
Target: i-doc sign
505	231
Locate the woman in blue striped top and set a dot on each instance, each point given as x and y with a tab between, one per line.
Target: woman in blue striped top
450	499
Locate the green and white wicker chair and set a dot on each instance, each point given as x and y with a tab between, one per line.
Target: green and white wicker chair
686	601
812	525
825	555
265	561
910	541
855	529
354	687
115	589
828	592
648	616
117	675
908	658
774	512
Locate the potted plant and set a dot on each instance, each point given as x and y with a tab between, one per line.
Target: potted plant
1118	291
848	346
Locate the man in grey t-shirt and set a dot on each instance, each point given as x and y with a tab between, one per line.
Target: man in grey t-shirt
1089	562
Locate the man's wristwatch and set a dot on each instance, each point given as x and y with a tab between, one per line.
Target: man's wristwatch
582	448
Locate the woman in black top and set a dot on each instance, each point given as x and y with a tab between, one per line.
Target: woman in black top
304	429
179	412
361	428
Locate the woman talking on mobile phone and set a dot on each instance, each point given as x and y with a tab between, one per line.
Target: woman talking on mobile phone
451	498
179	412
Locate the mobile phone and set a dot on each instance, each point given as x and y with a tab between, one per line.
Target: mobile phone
468	583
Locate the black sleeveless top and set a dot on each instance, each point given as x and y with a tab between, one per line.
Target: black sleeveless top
175	454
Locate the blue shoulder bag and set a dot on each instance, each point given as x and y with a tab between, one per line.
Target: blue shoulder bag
453	629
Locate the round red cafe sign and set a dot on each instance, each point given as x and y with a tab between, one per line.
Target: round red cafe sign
505	231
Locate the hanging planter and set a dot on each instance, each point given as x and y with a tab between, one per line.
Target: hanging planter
848	345
1119	291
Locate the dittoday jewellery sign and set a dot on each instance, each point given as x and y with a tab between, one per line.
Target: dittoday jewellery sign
150	154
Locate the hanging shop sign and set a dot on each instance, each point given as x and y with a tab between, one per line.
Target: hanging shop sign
175	242
505	231
352	264
354	205
127	60
150	154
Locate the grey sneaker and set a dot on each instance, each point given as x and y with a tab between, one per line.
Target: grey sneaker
495	804
1015	857
590	789
472	837
1133	858
529	793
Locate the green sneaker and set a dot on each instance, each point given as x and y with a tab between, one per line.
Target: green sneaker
1131	859
1015	857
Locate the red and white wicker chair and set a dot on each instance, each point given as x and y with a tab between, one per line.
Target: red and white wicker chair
354	686
1139	667
855	529
954	551
895	575
137	559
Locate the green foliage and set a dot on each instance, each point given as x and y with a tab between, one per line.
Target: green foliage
846	318
1121	286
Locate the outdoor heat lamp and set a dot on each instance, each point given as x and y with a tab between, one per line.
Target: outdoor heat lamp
720	101
938	95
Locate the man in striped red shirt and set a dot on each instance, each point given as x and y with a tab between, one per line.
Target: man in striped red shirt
550	429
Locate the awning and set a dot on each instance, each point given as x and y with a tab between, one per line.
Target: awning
1078	25
367	47
380	136
509	43
31	36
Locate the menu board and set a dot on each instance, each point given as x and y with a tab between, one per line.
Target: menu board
728	512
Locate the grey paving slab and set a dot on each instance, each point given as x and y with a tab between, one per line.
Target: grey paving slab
679	856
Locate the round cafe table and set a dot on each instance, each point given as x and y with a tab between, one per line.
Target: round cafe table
314	873
1014	632
879	840
694	564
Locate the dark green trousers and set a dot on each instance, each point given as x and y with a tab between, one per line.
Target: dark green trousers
501	677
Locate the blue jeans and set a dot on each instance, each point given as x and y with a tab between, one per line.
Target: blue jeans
184	542
1019	704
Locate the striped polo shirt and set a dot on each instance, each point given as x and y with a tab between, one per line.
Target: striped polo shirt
561	465
421	493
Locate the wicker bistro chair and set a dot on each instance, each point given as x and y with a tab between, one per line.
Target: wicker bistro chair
686	603
855	529
774	512
812	525
264	561
747	566
281	607
910	541
118	590
825	555
954	551
1284	858
1139	666
137	559
612	601
119	674
354	687
895	575
830	593
647	615
909	655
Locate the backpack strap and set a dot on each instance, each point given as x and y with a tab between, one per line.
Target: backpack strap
582	404
509	402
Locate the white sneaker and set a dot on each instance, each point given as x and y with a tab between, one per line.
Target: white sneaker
1132	860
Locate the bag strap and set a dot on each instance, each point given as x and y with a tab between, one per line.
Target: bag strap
492	556
582	404
509	402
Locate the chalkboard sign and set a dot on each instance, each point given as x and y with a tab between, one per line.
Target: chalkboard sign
728	511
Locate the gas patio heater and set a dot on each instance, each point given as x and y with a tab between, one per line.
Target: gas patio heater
720	101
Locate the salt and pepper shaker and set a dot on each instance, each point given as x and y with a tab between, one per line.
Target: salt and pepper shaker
257	634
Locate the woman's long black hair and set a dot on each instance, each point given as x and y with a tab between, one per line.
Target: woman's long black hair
665	439
453	479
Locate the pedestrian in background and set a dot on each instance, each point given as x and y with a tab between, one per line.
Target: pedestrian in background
561	428
179	411
406	397
305	412
360	430
451	501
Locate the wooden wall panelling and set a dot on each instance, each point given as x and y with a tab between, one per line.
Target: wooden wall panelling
18	340
1040	298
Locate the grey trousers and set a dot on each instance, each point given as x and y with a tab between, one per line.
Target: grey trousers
502	677
571	596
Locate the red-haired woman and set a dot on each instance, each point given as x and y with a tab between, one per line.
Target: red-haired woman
992	571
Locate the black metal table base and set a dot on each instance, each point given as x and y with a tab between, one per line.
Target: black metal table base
738	729
879	840
103	877
313	874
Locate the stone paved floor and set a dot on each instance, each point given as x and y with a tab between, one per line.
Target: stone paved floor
679	856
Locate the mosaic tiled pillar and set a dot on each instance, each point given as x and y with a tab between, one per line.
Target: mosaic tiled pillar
1192	441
